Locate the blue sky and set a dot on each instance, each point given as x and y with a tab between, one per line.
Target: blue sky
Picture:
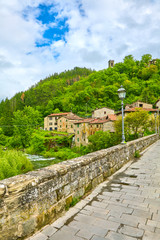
41	37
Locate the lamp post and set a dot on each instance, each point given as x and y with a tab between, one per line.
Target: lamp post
122	95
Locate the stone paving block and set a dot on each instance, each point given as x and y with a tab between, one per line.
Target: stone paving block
86	212
153	223
61	221
107	224
99	204
128	222
157	230
151	236
118	236
131	231
85	219
146	227
39	236
48	231
89	229
141	213
134	218
121	209
103	197
96	209
100	215
112	194
64	235
135	203
97	238
84	234
156	217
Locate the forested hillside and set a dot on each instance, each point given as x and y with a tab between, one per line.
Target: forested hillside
82	90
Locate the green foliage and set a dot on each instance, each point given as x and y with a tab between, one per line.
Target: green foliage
12	163
137	154
102	140
25	122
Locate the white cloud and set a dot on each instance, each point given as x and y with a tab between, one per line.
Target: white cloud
97	31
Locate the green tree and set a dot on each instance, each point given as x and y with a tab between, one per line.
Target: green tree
24	123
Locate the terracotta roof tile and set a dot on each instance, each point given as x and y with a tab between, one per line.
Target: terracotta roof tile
58	114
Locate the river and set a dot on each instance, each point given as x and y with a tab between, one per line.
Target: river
40	161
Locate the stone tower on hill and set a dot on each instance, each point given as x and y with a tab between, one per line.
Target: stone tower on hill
111	63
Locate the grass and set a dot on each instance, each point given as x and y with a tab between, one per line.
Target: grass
13	163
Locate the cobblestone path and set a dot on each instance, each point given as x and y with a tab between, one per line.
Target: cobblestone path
125	207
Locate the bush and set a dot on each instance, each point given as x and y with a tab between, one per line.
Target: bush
12	163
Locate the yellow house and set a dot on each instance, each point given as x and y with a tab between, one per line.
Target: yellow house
51	121
66	123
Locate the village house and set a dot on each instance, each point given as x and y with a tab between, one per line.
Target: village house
102	112
51	121
66	123
87	127
133	107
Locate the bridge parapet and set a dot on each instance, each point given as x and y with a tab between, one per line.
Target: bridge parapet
30	201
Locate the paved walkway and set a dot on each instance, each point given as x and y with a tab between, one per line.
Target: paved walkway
127	207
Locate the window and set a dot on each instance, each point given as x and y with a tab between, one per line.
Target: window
77	132
104	112
78	125
66	126
77	139
71	126
50	129
50	118
141	105
55	123
55	128
60	126
50	123
60	121
97	125
66	120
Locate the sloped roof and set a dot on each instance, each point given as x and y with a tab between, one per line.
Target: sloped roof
86	120
135	109
102	108
58	114
112	117
73	117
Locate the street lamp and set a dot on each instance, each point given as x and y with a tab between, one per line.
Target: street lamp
122	94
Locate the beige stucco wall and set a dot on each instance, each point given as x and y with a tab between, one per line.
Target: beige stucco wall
158	104
30	201
145	105
66	125
50	122
108	126
103	112
81	134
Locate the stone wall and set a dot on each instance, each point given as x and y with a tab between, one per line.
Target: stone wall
30	201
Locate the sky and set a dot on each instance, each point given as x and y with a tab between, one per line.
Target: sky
41	37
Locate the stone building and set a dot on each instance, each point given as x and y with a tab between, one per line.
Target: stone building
87	127
139	104
51	121
102	112
66	123
111	63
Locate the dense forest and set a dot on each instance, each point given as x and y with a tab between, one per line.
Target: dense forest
81	90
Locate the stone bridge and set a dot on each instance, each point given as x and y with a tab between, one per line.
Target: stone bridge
125	206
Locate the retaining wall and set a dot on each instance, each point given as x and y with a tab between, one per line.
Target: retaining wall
30	201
